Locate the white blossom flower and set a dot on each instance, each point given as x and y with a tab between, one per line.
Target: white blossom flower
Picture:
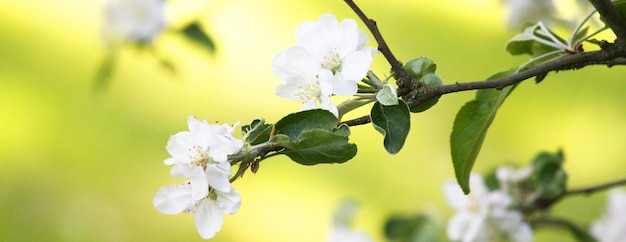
338	47
204	148
483	215
303	79
133	20
329	58
201	156
612	225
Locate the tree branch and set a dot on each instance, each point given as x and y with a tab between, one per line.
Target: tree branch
608	57
414	93
612	17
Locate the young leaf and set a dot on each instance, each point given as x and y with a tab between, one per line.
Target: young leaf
195	33
257	132
420	67
393	122
470	127
387	96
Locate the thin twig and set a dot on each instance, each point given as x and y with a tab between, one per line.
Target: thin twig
575	61
590	190
583	191
401	75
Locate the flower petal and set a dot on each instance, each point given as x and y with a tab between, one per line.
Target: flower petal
199	183
218	176
343	87
181	170
173	199
455	196
356	64
208	218
229	201
464	226
178	147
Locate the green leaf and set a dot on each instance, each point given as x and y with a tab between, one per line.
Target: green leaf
317	146
393	122
420	67
387	96
195	33
471	125
312	137
257	132
418	228
621	6
294	124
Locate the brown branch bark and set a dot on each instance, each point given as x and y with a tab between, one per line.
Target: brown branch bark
403	78
612	17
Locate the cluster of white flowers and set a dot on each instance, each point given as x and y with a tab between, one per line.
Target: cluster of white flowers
329	58
611	226
133	20
483	215
201	156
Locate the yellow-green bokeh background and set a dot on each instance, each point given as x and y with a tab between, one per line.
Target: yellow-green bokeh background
78	165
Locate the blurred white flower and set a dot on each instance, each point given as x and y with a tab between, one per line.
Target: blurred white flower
201	156
508	175
133	20
611	227
329	58
522	11
564	12
483	215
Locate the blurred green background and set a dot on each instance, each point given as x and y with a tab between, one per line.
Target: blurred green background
83	165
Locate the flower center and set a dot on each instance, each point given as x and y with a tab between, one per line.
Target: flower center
332	62
199	156
308	92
